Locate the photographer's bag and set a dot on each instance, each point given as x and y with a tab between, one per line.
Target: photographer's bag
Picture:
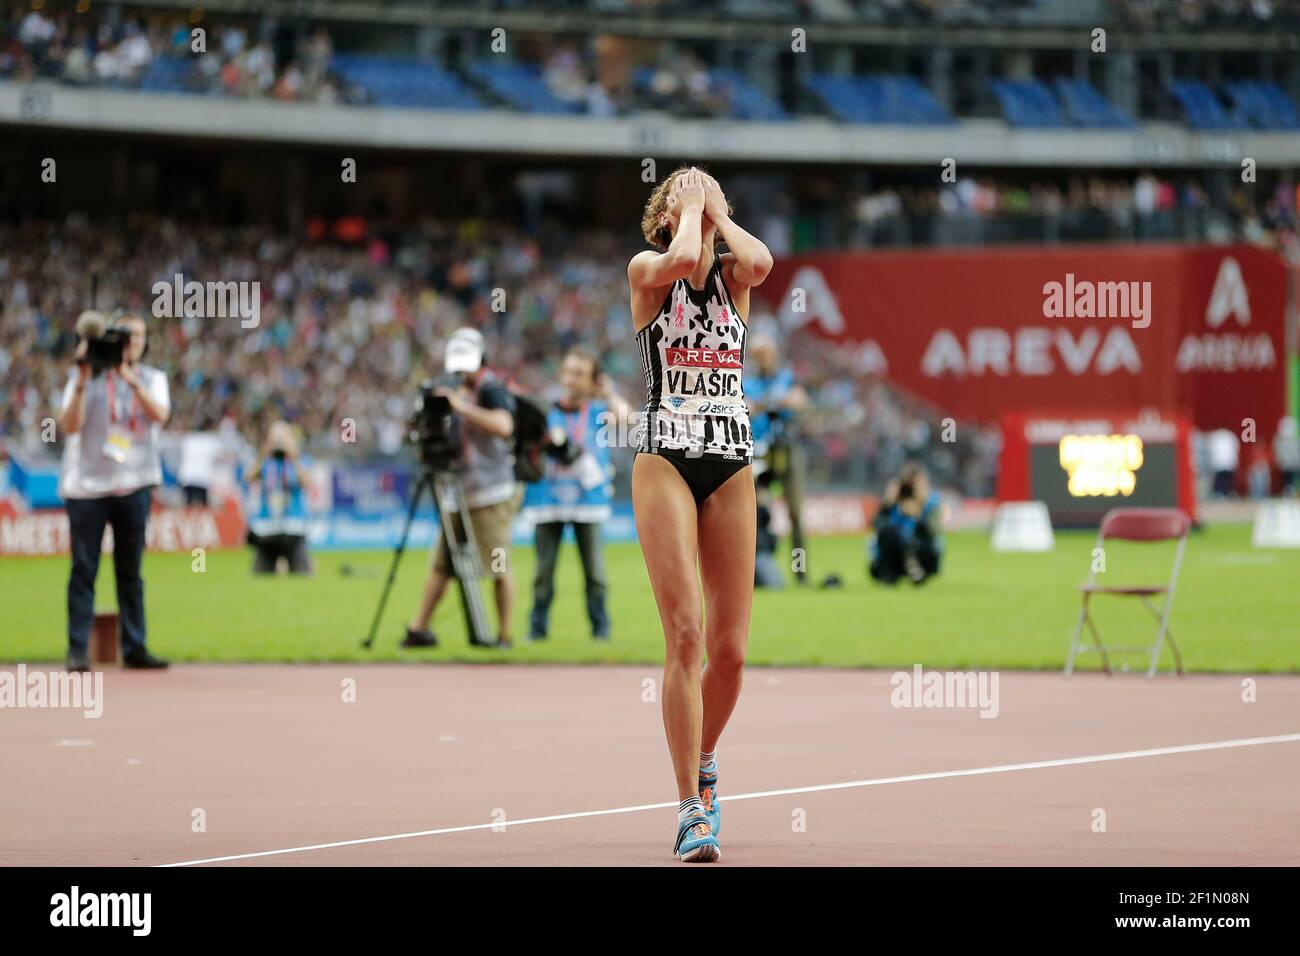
530	438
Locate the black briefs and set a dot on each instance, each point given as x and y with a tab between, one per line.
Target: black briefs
703	474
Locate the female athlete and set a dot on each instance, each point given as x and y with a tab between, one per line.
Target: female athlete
692	486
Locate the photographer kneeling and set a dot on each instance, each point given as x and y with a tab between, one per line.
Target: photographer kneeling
279	529
112	413
485	413
908	539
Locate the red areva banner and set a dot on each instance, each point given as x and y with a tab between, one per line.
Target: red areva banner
45	530
1198	330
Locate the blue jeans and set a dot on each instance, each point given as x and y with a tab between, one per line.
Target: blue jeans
87	517
590	548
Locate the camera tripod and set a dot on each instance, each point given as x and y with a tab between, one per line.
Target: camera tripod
448	501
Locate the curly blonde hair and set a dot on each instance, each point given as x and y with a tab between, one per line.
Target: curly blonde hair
657	235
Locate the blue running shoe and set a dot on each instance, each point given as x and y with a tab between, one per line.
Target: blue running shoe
709	796
696	842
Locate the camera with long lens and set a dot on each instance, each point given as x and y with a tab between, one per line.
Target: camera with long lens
435	430
105	343
561	447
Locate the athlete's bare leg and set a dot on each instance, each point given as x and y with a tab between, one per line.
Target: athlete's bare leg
665	523
727	528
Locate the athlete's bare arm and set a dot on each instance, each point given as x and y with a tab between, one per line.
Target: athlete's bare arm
748	260
650	272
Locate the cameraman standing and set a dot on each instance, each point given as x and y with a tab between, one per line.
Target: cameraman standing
576	488
485	410
112	416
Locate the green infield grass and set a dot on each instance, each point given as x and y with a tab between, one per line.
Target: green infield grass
1237	609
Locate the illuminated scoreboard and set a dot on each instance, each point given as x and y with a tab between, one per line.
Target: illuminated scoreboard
1081	466
1101	465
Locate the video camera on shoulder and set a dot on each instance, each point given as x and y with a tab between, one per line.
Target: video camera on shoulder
105	342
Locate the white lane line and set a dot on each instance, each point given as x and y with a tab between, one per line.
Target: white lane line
819	788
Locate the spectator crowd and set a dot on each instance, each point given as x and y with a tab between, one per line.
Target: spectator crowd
981	208
347	331
93	51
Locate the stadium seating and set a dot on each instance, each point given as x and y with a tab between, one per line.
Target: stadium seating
1263	104
1202	108
884	98
1028	103
520	85
745	100
748	102
166	74
405	81
1084	106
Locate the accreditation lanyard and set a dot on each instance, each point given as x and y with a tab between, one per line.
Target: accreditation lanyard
117	443
579	429
112	406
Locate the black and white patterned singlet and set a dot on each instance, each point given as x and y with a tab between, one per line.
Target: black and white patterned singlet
693	357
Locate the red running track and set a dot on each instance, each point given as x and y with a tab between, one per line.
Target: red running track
276	760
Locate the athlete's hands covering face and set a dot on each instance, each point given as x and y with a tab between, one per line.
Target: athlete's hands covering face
715	202
689	189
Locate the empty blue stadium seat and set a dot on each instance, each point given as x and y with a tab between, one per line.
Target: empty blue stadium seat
883	98
1202	108
1028	103
522	86
1084	106
1263	104
748	102
166	74
405	81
